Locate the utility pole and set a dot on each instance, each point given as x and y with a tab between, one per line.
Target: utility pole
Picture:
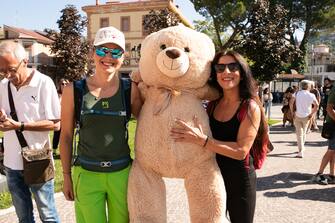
312	62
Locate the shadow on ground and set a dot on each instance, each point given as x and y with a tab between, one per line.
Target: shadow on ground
290	180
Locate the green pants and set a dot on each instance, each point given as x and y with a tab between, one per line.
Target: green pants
94	190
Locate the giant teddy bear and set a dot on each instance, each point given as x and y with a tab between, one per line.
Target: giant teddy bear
174	68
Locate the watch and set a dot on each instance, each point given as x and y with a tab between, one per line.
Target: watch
21	127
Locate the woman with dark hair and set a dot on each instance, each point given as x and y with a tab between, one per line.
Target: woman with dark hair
233	136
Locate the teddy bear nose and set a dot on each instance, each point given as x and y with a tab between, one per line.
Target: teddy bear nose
173	54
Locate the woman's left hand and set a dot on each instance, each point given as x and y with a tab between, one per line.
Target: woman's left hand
183	132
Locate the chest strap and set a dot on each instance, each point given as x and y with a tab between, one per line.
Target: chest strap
103	166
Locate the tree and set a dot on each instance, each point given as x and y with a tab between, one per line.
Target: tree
265	42
311	17
69	46
159	19
226	16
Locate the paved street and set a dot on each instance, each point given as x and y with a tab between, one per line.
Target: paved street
284	192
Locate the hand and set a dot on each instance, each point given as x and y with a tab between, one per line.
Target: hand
9	124
3	115
183	132
68	187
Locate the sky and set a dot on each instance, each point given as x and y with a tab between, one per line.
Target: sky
41	14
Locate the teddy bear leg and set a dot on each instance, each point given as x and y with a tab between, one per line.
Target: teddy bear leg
146	196
206	195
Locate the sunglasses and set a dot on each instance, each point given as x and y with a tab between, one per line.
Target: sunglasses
115	53
219	68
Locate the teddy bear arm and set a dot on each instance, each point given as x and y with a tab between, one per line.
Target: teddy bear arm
208	93
143	90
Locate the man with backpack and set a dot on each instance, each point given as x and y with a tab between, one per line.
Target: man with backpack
100	107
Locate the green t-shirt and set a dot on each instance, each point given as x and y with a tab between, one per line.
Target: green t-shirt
103	136
331	100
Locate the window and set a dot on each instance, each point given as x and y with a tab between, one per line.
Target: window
125	23
104	22
128	47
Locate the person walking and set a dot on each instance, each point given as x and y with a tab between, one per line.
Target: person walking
99	182
329	156
303	107
233	137
287	114
327	86
267	99
312	124
38	111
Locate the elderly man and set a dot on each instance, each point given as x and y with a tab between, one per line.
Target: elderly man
303	111
38	111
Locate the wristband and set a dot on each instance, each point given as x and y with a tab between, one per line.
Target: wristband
21	127
206	141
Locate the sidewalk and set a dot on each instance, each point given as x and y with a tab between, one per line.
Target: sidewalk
284	191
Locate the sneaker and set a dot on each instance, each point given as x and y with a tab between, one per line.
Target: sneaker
319	178
330	179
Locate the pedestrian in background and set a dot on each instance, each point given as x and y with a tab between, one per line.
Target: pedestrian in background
329	156
327	86
287	114
302	111
37	108
267	100
232	137
100	179
312	124
55	140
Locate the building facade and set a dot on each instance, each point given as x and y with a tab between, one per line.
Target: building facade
127	16
36	44
321	63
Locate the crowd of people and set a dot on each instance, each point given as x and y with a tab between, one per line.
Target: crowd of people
92	186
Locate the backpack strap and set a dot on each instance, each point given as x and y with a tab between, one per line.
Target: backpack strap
243	109
211	107
126	96
78	94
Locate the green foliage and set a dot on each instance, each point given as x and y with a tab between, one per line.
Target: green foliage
70	47
225	16
311	17
265	42
159	19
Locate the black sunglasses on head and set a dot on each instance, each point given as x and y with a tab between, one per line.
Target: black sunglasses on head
232	67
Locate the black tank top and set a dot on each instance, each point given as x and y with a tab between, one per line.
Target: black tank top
227	131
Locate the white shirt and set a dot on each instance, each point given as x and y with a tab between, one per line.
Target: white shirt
33	102
304	100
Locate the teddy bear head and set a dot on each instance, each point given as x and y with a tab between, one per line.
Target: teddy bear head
176	57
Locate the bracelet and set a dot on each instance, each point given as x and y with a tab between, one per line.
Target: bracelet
206	141
21	127
67	173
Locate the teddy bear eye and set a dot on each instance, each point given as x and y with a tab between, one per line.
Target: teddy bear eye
187	49
163	46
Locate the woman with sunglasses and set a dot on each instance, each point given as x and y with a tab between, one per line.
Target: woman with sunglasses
233	136
99	182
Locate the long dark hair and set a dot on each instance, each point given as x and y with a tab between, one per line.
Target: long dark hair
247	89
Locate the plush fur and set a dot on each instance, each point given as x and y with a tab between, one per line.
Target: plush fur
174	67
